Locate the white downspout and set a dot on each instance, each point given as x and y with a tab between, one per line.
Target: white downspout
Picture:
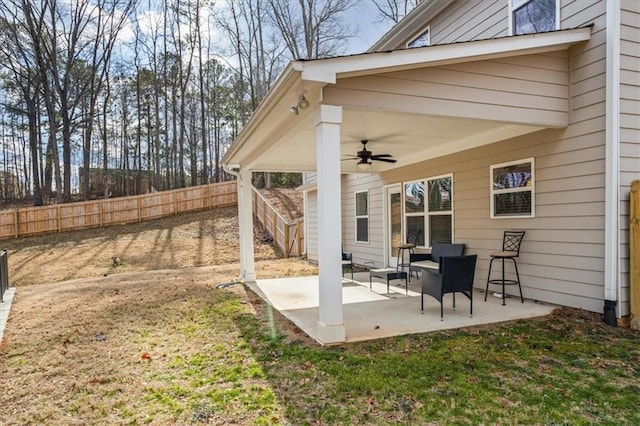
612	167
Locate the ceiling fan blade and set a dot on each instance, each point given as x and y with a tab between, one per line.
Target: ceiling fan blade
381	156
386	160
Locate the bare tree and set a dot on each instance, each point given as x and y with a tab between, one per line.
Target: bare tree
72	44
312	28
394	10
16	56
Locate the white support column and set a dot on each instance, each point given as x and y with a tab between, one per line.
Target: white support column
330	322
245	223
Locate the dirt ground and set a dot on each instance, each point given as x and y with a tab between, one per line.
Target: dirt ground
79	289
204	238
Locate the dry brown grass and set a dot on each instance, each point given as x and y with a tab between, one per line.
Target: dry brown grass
89	341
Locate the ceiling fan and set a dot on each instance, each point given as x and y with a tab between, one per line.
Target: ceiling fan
365	156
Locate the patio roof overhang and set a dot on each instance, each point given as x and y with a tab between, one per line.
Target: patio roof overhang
407	125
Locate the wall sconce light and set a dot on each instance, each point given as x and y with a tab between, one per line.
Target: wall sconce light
301	104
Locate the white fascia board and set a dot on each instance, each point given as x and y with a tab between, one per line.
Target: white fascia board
330	69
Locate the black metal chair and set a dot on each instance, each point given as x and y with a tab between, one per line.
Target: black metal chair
511	242
455	275
347	263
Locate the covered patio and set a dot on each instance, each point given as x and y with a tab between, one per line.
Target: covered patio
372	314
414	104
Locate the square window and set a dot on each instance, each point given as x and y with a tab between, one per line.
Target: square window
533	16
512	189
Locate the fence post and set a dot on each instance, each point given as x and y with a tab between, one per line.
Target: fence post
299	230
287	251
15	220
634	253
274	224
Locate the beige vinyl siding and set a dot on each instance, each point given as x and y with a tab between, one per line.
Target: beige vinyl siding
562	257
629	126
311	224
526	89
467	20
367	254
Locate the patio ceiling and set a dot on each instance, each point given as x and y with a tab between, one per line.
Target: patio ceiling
410	127
409	137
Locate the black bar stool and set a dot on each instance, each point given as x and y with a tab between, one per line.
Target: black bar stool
412	238
511	242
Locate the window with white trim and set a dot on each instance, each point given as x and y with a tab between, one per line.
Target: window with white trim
533	16
512	189
362	216
424	39
428	211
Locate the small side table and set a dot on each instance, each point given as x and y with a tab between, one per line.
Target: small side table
389	274
401	249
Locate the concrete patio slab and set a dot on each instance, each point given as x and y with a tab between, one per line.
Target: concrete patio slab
372	314
5	308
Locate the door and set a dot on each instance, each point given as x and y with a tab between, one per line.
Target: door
394	223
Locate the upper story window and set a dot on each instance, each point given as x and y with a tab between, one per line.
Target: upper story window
533	16
424	39
512	189
362	216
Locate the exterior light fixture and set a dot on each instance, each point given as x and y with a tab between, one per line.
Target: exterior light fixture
301	104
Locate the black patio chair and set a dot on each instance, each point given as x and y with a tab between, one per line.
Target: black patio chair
455	275
347	263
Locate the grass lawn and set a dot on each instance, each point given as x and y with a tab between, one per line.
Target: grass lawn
222	356
147	342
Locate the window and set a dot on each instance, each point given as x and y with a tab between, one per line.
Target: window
428	209
424	39
362	217
512	191
533	16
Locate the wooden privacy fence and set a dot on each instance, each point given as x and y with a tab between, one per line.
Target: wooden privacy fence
114	211
288	235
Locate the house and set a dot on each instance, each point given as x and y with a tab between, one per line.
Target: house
505	114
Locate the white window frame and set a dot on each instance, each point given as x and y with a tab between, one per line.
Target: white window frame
530	188
517	4
426	213
358	217
427	31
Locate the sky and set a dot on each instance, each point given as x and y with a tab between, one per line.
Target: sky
364	17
